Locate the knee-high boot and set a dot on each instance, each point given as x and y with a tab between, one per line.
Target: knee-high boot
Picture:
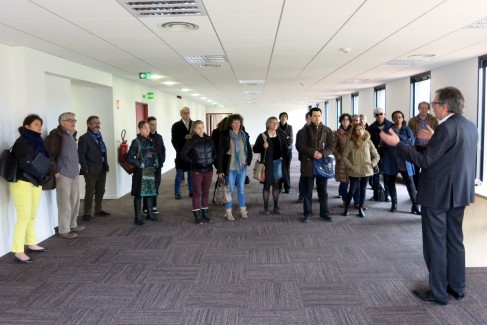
137	209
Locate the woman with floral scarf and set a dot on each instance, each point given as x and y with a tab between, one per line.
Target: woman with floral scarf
233	157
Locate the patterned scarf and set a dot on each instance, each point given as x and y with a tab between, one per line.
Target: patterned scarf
99	140
236	138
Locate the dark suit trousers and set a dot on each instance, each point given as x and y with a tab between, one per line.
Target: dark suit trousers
443	249
95	187
321	186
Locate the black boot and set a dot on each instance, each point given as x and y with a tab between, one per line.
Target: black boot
205	215
361	212
137	206
345	212
393	206
197	217
150	212
415	209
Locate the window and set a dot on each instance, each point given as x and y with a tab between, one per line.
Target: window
355	103
481	118
380	97
420	91
339	111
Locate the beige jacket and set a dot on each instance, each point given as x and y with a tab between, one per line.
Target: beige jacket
360	162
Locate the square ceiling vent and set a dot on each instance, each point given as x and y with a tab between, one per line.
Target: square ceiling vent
202	59
164	8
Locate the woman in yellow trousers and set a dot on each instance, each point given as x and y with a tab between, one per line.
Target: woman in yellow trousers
26	192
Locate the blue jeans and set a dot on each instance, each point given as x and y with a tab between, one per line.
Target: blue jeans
179	179
237	179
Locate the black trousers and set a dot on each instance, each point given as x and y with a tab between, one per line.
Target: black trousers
357	183
94	187
286	165
443	249
321	186
390	180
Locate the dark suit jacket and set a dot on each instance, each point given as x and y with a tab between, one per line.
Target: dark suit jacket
178	133
447	177
90	156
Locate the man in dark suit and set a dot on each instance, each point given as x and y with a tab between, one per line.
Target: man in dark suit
92	154
446	187
179	131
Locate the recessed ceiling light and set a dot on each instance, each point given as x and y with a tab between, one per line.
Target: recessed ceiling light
421	55
251	82
206	59
481	24
184	89
195	95
210	65
404	62
156	77
179	26
346	49
203	98
169	83
252	92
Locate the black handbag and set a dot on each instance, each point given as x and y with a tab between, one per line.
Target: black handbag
39	167
323	168
9	166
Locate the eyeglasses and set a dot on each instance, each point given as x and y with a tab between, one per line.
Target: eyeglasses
379	114
436	103
71	120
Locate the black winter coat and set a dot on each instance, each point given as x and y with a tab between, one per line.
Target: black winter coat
200	153
222	159
178	134
269	154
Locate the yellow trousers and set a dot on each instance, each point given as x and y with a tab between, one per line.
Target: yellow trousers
26	198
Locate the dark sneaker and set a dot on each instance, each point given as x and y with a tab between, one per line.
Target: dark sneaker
307	219
87	217
102	214
178	197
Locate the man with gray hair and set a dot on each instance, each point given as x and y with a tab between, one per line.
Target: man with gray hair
61	143
374	129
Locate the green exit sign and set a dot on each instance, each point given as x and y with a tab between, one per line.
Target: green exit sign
150	95
145	75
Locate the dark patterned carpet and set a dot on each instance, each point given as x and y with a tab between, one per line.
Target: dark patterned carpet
263	270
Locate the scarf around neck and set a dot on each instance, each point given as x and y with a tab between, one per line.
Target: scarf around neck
99	140
241	136
36	141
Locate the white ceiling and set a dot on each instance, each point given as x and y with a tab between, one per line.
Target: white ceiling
294	45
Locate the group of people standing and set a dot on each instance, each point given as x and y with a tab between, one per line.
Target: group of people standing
63	176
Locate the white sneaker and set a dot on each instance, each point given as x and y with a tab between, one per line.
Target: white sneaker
155	211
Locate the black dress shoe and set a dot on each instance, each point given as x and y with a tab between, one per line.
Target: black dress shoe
327	218
18	260
102	214
454	294
30	250
427	296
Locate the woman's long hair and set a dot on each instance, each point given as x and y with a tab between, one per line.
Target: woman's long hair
192	132
357	138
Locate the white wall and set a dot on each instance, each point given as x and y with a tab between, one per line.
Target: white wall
464	76
35	82
397	97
